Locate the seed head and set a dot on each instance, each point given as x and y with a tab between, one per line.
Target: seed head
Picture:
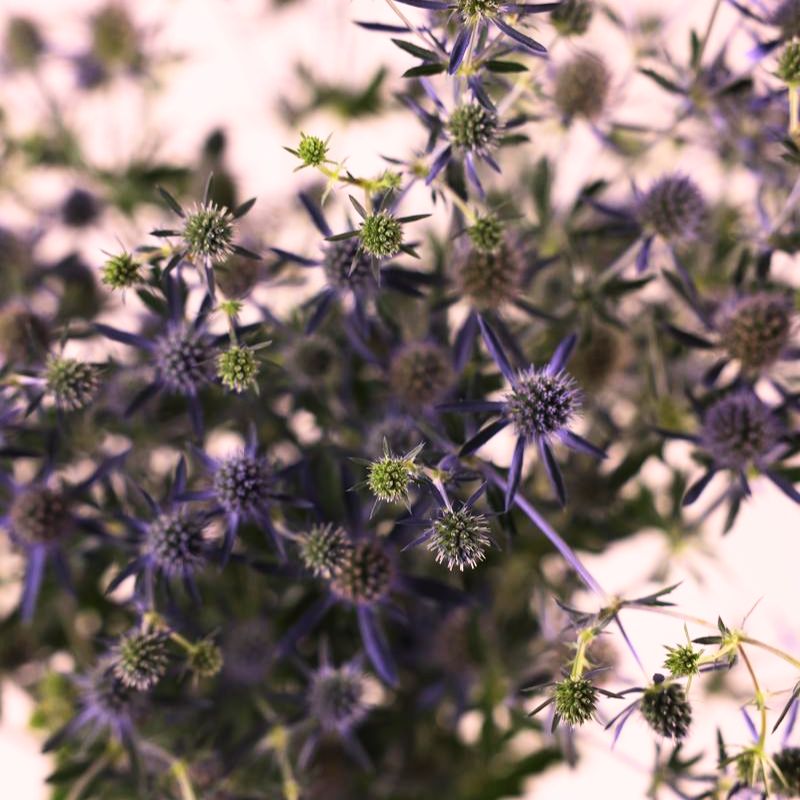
789	64
81	208
582	86
389	477
74	384
381	235
739	430
490	279
666	709
541	404
24	335
683	661
486	233
208	232
673	208
185	361
121	271
40	515
575	700
324	550
176	543
472	127
421	374
141	660
23	43
242	483
205	659
312	150
115	40
572	17
336	697
788	762
237	368
460	538
346	266
364	574
473	10
756	329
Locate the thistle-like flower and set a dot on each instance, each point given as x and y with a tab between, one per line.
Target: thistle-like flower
572	17
141	659
73	384
575	700
336	697
311	150
486	233
673	208
324	549
176	542
205	659
237	368
787	763
789	64
683	661
541	405
121	271
364	575
490	276
390	477
666	709
460	538
582	85
421	374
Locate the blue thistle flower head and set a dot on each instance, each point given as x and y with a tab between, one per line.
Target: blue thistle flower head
582	87
336	697
787	763
673	208
666	709
243	483
141	659
41	515
106	706
756	329
347	266
460	538
542	404
739	430
365	574
185	359
175	542
73	384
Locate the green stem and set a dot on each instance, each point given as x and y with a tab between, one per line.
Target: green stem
704	41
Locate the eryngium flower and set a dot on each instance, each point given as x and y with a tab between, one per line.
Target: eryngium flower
575	700
473	128
389	477
491	278
40	515
312	150
176	543
121	271
346	266
673	208
208	231
73	384
336	697
364	575
381	235
460	538
542	403
756	329
788	762
185	360
141	659
324	550
786	16
683	661
205	659
739	430
572	17
421	374
242	483
237	368
115	40
23	42
666	709
581	86
789	64
486	233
